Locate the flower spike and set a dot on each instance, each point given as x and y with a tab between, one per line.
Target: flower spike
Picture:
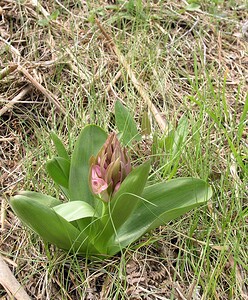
109	168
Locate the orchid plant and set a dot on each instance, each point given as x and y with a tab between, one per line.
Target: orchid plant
110	204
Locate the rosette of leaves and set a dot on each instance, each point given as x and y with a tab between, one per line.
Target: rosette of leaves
108	206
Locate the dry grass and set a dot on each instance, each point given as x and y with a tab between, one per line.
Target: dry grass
61	72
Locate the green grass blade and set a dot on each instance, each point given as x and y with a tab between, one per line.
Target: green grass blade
242	121
173	144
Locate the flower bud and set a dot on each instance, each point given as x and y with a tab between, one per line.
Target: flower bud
109	168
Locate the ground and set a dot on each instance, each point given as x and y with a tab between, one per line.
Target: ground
63	64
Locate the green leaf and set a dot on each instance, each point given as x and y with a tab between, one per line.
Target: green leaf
125	124
89	143
43	199
54	15
75	210
60	148
193	7
121	206
59	169
49	225
162	203
43	22
127	197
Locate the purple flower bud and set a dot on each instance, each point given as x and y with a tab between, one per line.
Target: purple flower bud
98	184
109	168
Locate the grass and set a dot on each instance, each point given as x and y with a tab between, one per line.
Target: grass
191	64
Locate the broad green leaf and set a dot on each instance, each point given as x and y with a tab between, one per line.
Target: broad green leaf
162	203
121	206
60	148
43	199
125	124
59	169
88	143
75	210
127	197
49	225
